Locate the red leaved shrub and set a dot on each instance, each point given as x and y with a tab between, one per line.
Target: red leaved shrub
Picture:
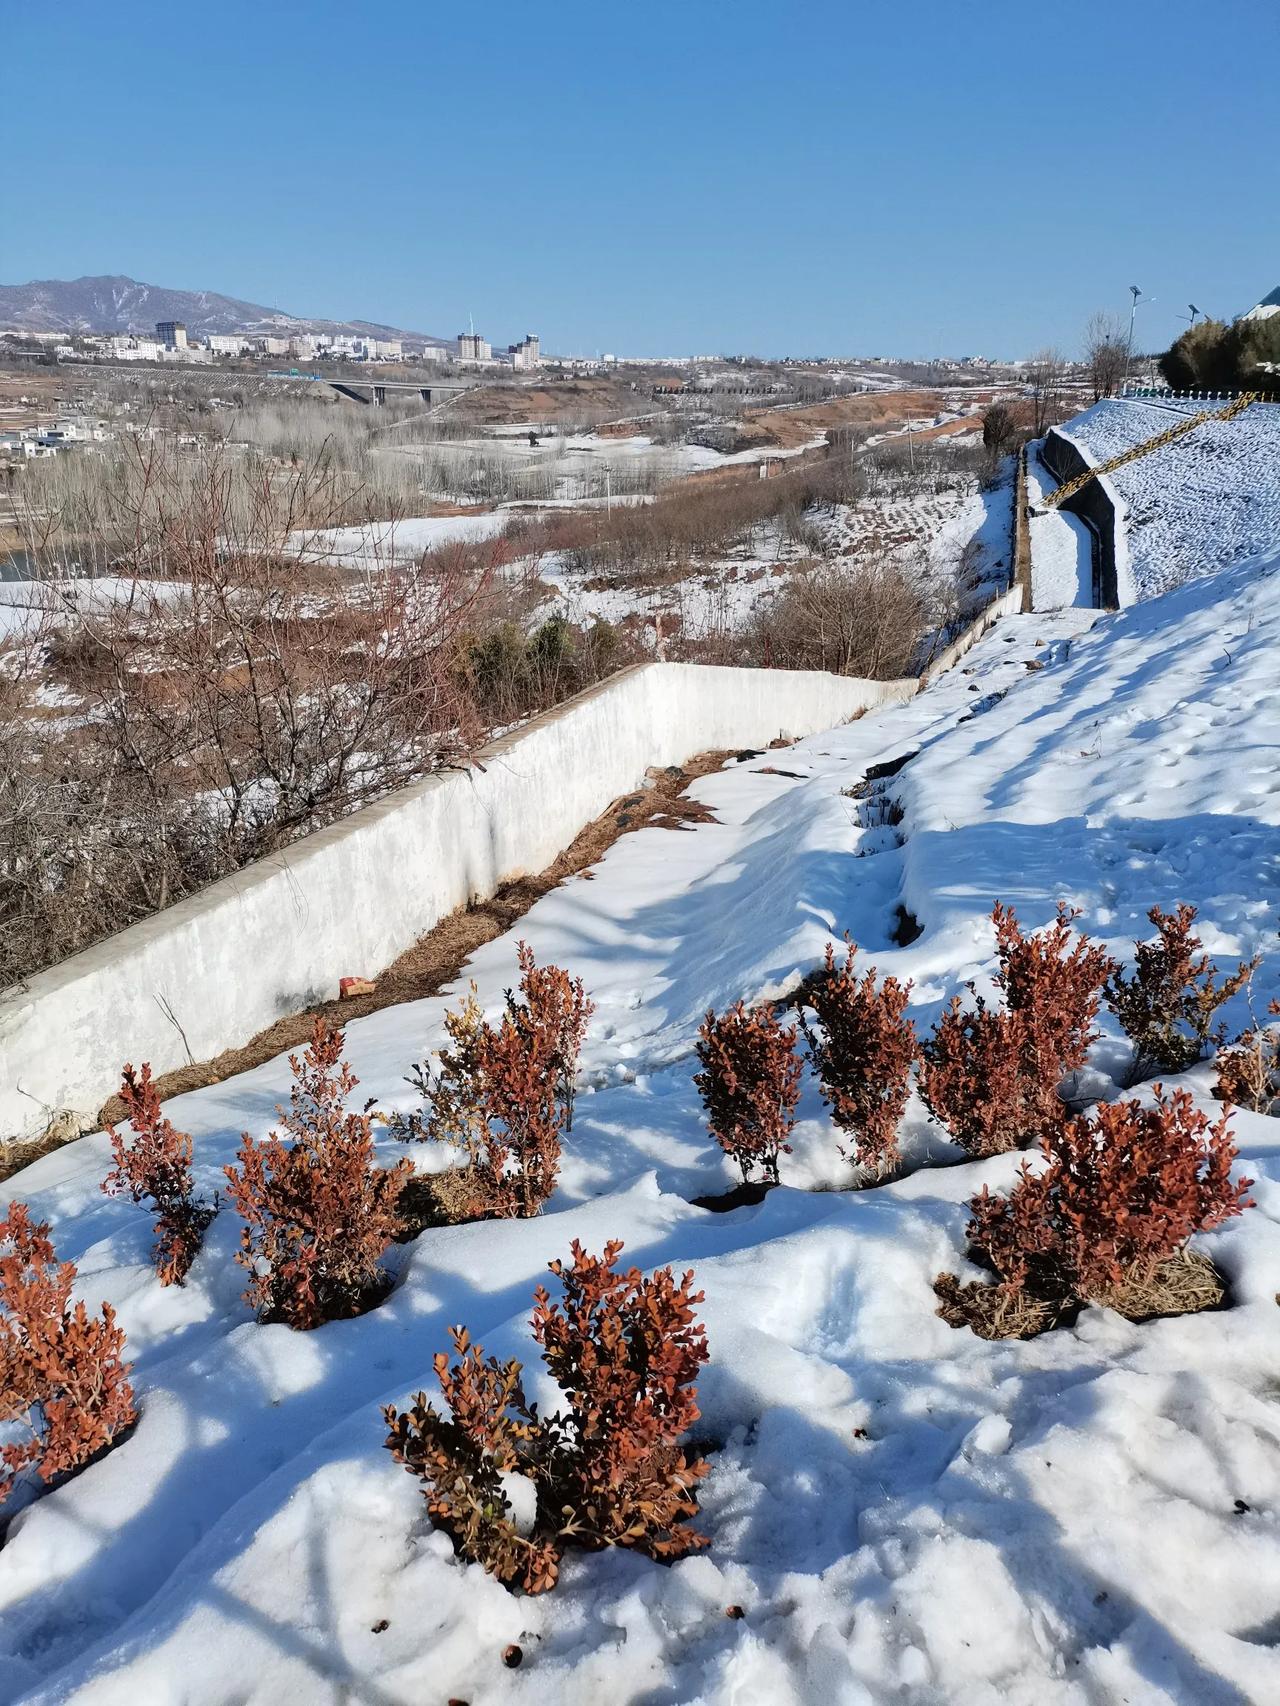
991	1075
1167	1007
625	1350
1248	1073
971	1079
863	1056
62	1375
319	1214
608	1470
520	1075
749	1084
1120	1193
503	1094
461	1458
557	1008
157	1165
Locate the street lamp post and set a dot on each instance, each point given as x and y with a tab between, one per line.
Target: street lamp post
1138	300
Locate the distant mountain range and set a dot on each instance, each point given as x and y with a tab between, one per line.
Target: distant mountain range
118	304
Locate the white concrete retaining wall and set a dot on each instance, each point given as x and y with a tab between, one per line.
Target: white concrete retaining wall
276	936
1008	604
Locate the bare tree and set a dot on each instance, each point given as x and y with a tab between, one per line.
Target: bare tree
999	434
220	694
1105	350
1045	373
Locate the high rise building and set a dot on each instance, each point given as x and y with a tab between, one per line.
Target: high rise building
525	355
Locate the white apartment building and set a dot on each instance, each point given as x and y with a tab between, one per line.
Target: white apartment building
222	343
526	355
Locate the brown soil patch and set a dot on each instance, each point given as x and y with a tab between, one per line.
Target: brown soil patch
504	405
437	958
789	427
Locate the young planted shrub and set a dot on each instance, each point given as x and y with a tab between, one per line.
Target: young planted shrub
62	1375
558	1009
625	1351
606	1471
157	1166
1053	981
1248	1074
1115	1204
1167	1006
971	1079
519	1070
991	1076
318	1213
749	1084
863	1056
491	1431
503	1095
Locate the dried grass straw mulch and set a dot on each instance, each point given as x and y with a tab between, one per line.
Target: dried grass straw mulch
1183	1284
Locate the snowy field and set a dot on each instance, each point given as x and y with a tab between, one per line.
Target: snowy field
1209	499
904	1512
575	466
929	533
379	543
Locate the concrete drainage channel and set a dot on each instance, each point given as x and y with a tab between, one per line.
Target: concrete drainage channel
879	815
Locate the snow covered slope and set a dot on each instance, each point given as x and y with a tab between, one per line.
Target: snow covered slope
1209	499
904	1512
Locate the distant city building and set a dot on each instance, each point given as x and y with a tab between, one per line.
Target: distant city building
472	347
526	355
172	334
224	344
134	349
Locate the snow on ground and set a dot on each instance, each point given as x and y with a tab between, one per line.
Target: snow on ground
1061	548
1209	499
25	604
904	1512
715	597
928	532
378	543
573	465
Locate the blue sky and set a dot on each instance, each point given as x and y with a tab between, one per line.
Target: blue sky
940	175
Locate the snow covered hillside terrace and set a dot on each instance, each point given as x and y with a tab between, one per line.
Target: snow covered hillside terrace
1202	503
899	1513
